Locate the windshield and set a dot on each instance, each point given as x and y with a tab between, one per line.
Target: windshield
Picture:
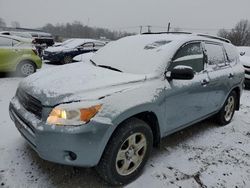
136	54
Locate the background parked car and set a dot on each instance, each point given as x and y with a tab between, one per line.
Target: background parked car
17	33
41	40
65	53
245	59
17	54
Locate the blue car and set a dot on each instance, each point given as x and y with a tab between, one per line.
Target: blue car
65	53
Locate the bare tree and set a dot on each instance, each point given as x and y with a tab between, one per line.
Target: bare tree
2	23
239	35
15	24
77	29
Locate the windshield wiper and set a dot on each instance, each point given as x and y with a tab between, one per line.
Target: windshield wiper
92	62
105	66
109	67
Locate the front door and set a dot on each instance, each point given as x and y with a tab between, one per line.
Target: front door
187	100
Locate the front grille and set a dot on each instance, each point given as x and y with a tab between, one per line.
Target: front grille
30	103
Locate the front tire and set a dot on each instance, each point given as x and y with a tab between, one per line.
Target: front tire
226	113
126	153
67	59
26	68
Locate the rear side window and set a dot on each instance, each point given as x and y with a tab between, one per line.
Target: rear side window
98	45
5	41
189	55
215	54
88	46
232	53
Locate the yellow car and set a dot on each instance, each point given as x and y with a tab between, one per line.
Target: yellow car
18	55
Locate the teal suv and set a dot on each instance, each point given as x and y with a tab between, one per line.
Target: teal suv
109	113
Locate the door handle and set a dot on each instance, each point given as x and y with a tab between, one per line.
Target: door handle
231	75
204	82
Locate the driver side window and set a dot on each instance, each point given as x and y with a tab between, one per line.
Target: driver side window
189	55
88	46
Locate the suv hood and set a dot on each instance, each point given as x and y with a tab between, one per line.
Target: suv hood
74	82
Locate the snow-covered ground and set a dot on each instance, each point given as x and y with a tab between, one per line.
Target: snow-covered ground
203	155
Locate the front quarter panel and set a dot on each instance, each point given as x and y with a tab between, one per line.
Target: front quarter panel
147	96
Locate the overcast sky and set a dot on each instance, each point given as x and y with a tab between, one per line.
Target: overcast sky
207	15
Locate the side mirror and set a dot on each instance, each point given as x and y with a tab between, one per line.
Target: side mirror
181	72
242	53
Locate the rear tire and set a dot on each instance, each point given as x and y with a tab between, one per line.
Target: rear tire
26	68
126	153
226	113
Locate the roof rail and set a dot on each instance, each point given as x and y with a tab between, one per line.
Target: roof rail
177	32
213	37
188	33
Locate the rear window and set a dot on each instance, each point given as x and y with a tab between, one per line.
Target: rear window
232	53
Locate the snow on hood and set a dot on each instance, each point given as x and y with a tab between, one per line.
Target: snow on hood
55	49
140	54
76	81
84	57
245	60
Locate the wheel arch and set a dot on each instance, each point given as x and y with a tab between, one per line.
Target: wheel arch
23	60
237	90
150	118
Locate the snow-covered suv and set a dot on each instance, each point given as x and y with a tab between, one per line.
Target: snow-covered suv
138	90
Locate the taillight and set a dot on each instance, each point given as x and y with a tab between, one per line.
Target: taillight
34	50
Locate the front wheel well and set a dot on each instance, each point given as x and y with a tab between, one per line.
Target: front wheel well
237	91
25	60
152	121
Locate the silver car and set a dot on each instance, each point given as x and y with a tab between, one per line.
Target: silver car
110	113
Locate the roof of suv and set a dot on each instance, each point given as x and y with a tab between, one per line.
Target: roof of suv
188	34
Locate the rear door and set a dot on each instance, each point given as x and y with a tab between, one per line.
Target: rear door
8	54
220	75
186	101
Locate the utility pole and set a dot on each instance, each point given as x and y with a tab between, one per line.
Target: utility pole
149	28
168	26
140	29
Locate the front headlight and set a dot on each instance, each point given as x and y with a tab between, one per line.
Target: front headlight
60	116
